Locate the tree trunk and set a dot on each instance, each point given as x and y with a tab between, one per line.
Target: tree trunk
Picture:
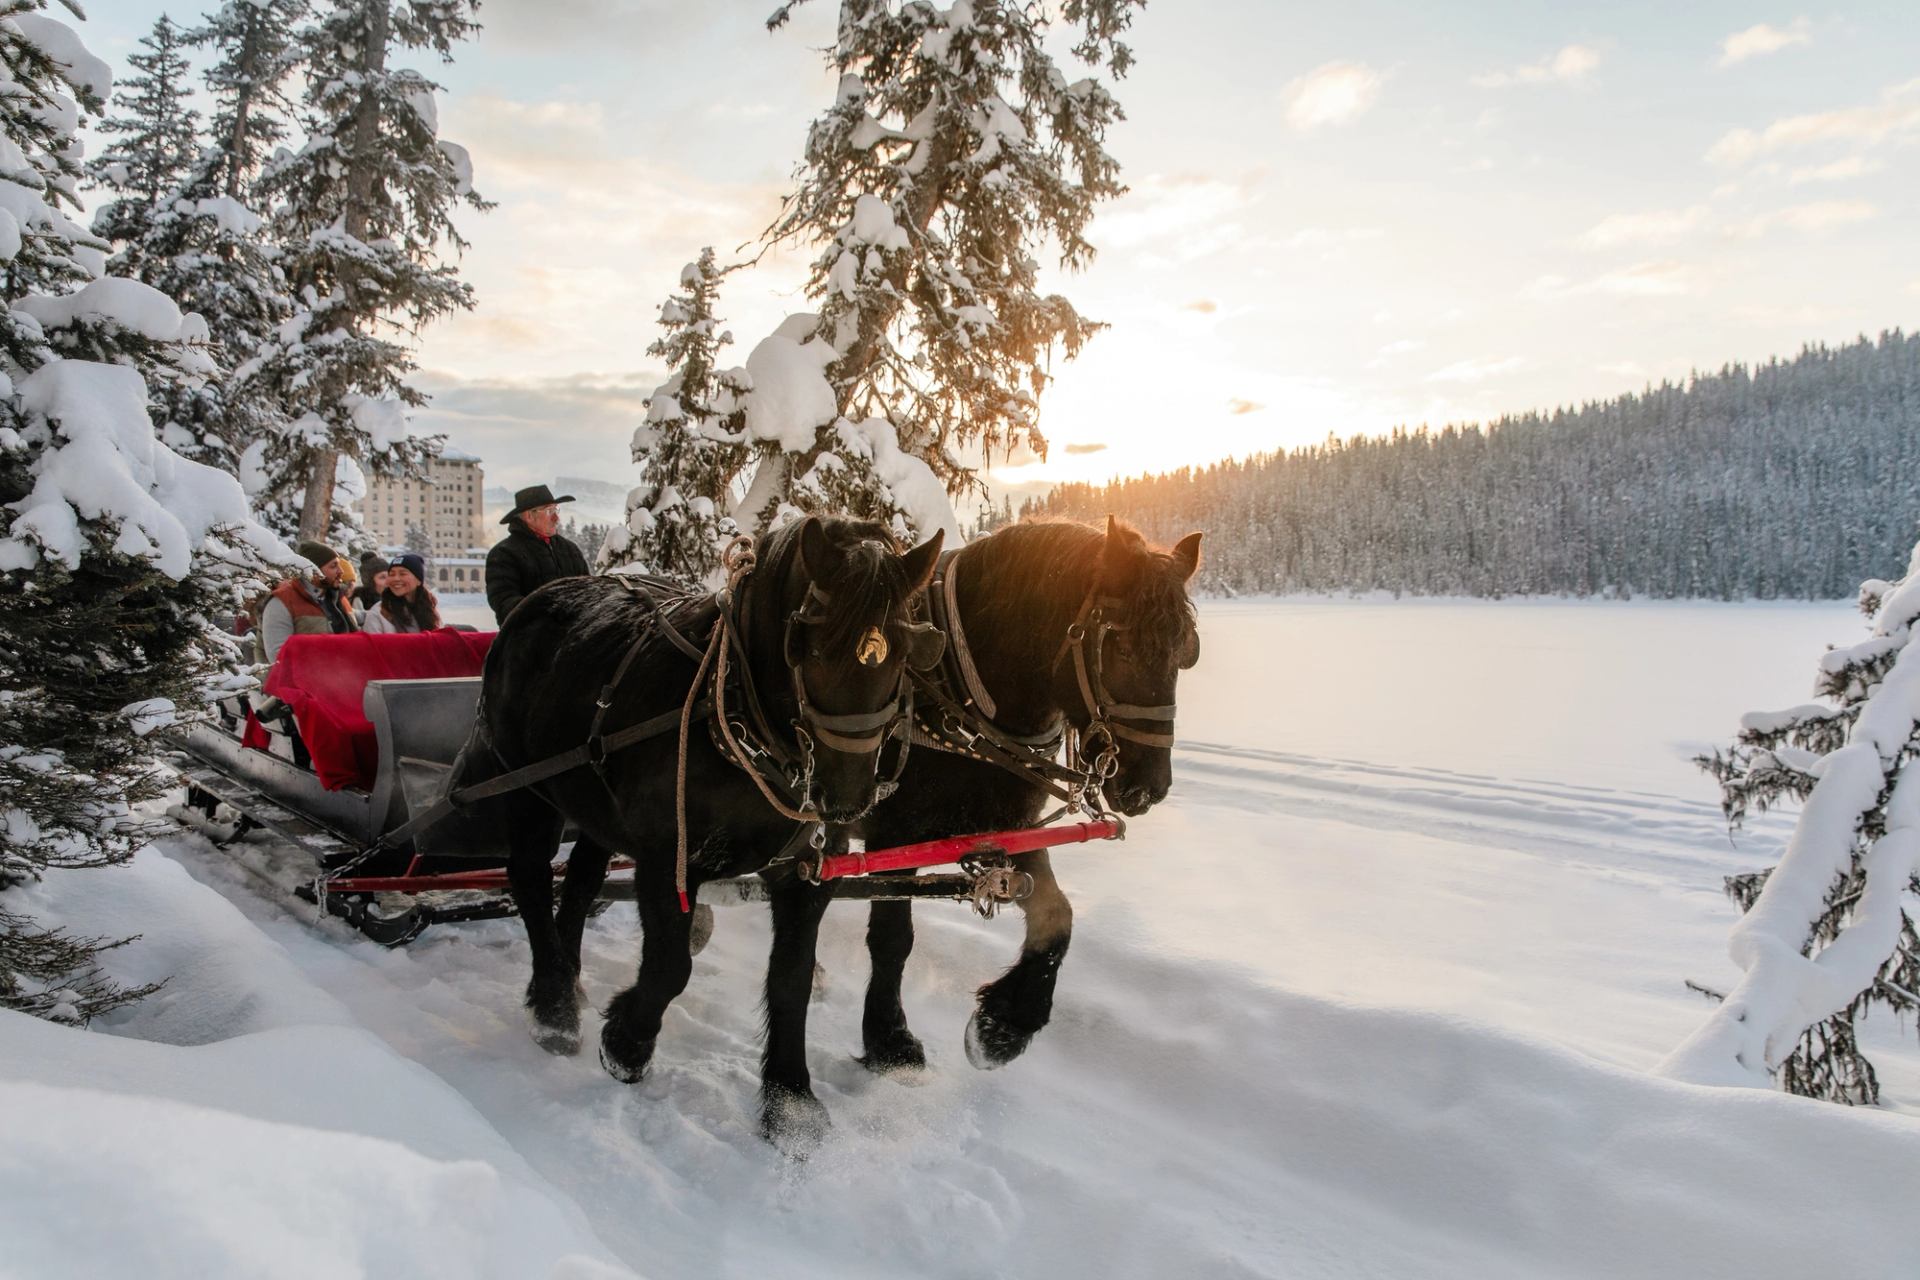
243	107
316	512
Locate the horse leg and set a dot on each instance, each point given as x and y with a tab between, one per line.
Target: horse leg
633	1019
890	1046
533	836
790	1116
586	872
1018	1003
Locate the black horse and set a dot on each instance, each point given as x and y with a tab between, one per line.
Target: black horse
822	627
1062	626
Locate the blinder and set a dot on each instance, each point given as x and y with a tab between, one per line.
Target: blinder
926	645
855	733
1095	622
1187	656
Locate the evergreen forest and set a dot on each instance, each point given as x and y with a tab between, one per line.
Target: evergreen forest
1792	480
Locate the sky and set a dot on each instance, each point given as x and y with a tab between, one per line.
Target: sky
1342	218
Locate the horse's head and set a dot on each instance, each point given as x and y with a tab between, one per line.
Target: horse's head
1116	671
850	637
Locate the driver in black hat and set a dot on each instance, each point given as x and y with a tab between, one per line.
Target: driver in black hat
533	553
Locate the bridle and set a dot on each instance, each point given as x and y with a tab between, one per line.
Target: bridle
752	744
1099	616
965	723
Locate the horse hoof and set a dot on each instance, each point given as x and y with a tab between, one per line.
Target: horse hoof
556	1026
562	1042
796	1123
898	1052
991	1043
700	928
621	1068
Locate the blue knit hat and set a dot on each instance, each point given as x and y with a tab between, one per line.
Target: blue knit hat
412	562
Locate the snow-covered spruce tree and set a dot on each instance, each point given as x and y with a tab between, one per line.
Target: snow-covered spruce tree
1827	933
363	211
691	444
115	553
201	245
152	142
955	151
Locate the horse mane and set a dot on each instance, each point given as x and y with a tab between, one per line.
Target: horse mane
1063	559
869	580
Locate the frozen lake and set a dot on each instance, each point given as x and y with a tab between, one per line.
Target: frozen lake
1589	692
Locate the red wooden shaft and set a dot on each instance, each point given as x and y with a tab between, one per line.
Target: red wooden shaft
933	853
928	853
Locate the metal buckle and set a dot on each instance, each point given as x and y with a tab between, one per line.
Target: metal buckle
996	882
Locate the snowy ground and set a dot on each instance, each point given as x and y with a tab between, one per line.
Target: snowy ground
1370	996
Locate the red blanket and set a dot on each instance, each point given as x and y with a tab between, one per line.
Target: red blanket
324	679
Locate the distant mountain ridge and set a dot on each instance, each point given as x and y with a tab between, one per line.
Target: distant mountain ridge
1795	479
595	501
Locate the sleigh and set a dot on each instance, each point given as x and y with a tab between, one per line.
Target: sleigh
353	741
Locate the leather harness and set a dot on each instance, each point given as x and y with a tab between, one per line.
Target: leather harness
965	722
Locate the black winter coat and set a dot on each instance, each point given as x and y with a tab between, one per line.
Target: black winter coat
521	563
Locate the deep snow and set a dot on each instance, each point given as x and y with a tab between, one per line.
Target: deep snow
1373	994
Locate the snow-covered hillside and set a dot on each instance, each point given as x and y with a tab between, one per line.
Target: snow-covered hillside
1372	995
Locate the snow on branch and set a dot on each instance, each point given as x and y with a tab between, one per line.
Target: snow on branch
1829	922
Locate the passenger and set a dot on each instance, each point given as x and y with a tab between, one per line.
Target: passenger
533	553
308	606
373	577
407	607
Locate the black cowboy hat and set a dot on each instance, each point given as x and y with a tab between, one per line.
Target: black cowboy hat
533	496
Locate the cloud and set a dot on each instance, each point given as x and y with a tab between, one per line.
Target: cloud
1660	226
1810	219
1331	242
1392	350
1896	115
1645	280
1838	171
1205	306
1475	370
1075	450
571	25
1571	65
1757	41
1642	280
741	110
1332	94
1625	369
1237	407
590	234
529	430
1182	217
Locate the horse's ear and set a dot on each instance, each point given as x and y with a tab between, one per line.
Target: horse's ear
1186	554
816	553
1116	557
921	560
